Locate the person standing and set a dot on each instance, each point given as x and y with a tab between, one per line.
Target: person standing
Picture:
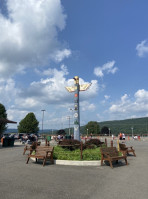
123	136
112	137
120	136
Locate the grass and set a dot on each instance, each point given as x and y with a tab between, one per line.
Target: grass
65	154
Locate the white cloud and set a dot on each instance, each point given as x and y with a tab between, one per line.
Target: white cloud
51	71
106	97
92	90
124	98
16	115
8	91
29	36
61	54
127	107
86	106
98	72
141	96
142	48
106	68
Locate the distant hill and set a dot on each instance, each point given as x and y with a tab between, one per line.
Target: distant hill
11	131
16	131
139	125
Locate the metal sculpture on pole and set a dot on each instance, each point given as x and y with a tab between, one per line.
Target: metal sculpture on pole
76	88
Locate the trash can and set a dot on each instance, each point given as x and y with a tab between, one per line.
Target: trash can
5	142
8	142
68	137
11	142
48	138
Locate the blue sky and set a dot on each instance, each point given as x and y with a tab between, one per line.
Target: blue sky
45	43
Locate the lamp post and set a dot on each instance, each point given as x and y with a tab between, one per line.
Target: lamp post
42	119
62	123
87	132
109	132
132	131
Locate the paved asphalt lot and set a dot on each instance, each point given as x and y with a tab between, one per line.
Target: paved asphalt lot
19	180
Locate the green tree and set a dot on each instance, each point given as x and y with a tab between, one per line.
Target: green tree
104	130
29	124
3	114
93	127
61	132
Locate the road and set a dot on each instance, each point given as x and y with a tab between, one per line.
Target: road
19	180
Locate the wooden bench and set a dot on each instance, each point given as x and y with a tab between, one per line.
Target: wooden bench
111	154
126	150
29	147
41	152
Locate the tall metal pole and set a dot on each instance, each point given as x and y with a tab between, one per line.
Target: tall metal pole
42	119
76	110
62	123
109	132
132	131
68	117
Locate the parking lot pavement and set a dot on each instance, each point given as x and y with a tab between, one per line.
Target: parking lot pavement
19	180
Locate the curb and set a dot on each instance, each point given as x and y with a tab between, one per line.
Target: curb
77	163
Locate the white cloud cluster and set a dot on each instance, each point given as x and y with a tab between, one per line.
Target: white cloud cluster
29	35
142	48
52	90
141	96
47	93
8	91
92	91
106	68
51	72
127	107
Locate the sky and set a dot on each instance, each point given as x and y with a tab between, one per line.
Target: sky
45	43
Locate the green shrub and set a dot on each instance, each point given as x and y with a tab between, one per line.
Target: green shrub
92	154
65	154
70	144
92	144
96	142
